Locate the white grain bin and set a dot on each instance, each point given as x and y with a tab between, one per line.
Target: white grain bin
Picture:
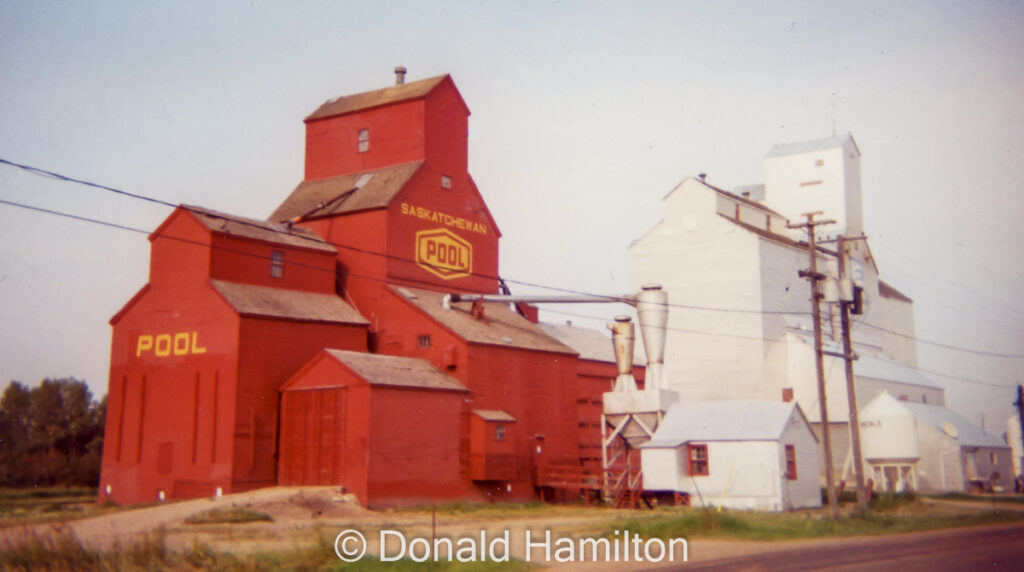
888	431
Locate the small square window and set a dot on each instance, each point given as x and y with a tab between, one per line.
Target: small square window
277	264
791	462
698	455
819	163
446	182
499	432
424	341
364	140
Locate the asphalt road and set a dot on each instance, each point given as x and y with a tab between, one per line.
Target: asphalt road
984	548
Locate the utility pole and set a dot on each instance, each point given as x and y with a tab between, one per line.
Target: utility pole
1020	416
814	277
851	388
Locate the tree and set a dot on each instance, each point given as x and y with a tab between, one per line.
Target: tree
50	434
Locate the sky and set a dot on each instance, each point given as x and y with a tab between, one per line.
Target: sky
585	114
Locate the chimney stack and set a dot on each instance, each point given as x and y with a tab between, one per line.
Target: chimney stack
400	75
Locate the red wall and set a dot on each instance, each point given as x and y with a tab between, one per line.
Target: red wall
363	262
414	446
170	417
270	351
422	206
248	262
193	394
396	136
390	445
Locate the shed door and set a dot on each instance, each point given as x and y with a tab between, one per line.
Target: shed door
313	437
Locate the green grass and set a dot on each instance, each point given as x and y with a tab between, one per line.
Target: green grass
40	505
229	515
696	522
61	550
1017	499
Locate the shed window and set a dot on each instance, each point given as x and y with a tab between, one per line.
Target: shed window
698	460
446	182
364	140
424	341
791	462
499	432
277	264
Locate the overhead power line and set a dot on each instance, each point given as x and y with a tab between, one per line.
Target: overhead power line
54	175
262	226
944	346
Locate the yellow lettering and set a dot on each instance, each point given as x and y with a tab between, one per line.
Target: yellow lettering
163	345
181	344
443	218
144	344
195	344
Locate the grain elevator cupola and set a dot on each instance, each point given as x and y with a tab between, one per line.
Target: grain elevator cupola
392	164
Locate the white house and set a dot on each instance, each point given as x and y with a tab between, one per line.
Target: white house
758	455
740	325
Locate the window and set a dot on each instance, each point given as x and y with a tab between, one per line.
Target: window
819	163
277	264
992	458
791	462
499	432
364	140
698	455
424	341
446	182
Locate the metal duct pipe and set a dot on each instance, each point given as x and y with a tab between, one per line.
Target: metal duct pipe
623	338
652	313
512	299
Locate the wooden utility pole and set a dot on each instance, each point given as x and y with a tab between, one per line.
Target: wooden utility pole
814	277
1019	404
851	386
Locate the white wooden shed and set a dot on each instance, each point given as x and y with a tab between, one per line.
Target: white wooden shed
757	455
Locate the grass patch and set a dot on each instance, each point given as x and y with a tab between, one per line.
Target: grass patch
695	522
229	515
60	549
488	509
1016	499
40	505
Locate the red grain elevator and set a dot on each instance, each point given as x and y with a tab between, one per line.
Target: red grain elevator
318	347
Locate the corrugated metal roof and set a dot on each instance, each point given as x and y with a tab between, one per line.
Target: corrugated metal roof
812	145
223	223
591	344
867	365
376	98
250	300
879	368
494	415
722	421
503	326
378	191
396	371
967	434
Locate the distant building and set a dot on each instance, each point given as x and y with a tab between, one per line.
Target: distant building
916	446
740	324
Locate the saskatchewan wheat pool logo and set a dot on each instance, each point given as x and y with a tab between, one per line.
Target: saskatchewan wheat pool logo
444	253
